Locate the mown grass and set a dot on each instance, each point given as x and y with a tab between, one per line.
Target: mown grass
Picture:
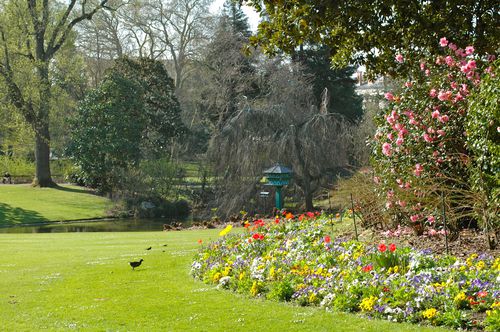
22	204
82	281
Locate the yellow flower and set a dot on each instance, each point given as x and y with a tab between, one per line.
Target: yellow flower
460	297
255	288
226	230
480	265
242	275
495	305
272	273
216	277
367	303
430	313
226	271
312	297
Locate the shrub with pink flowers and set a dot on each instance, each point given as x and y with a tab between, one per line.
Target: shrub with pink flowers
422	135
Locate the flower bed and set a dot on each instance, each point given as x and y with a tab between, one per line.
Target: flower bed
297	260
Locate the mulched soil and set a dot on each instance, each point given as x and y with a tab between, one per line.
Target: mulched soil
467	243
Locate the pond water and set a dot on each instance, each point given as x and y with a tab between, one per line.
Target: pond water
114	225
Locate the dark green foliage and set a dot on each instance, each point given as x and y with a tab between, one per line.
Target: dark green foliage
341	86
161	108
107	132
483	131
130	116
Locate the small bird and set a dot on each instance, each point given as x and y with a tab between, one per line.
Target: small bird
148	248
136	264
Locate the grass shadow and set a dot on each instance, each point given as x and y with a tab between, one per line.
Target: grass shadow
10	216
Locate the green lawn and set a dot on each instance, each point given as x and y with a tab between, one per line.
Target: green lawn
82	281
25	204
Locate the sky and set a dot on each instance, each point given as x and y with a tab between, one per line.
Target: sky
253	17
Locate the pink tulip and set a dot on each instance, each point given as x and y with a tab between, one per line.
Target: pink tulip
389	96
452	46
431	219
399	58
414	218
443	42
444	118
435	114
433	93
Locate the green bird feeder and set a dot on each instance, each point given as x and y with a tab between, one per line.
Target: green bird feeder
278	176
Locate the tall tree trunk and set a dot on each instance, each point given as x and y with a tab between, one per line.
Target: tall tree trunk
308	193
43	177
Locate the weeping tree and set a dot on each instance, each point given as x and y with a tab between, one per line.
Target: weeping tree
283	126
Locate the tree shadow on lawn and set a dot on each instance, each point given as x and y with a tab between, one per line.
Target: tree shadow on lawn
76	190
10	216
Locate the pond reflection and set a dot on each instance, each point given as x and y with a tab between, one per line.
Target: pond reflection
115	225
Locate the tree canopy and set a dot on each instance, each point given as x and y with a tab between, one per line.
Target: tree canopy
372	32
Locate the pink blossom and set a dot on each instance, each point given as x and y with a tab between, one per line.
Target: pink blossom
431	219
391	120
407	185
399	141
398	126
449	61
464	89
458	97
469	50
444	118
413	122
427	72
432	232
414	218
444	95
435	114
422	66
435	153
452	46
442	232
472	64
418	169
433	93
408	84
491	57
386	149
459	52
402	132
441	133
399	58
376	179
427	138
439	60
402	203
430	130
390	136
390	194
443	42
389	96
454	85
388	205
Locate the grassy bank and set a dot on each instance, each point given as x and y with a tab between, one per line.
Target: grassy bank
82	281
24	204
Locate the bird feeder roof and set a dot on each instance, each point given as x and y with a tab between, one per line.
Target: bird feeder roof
278	169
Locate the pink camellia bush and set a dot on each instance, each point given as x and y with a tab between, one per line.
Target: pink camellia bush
421	135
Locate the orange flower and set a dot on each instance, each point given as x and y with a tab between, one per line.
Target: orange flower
200	241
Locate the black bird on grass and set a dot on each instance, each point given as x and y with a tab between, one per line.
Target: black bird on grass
148	248
136	264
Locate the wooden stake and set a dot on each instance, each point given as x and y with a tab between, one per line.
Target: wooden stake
445	226
354	219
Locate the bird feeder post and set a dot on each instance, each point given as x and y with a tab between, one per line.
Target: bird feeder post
278	176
